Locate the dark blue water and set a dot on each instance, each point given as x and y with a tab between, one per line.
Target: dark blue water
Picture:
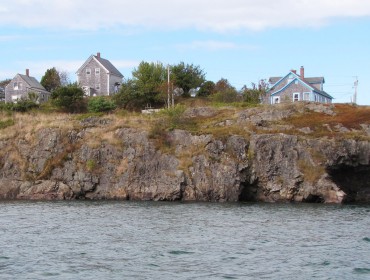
126	240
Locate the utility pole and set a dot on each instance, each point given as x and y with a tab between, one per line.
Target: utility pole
168	86
355	94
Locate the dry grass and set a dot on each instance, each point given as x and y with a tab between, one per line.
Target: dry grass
312	173
321	124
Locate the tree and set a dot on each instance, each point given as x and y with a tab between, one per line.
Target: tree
225	92
223	85
255	94
187	76
51	80
208	88
4	83
69	98
145	87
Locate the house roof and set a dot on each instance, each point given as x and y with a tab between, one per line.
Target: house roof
32	82
307	82
109	67
311	80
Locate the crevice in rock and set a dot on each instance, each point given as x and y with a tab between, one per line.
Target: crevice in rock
314	199
353	180
248	192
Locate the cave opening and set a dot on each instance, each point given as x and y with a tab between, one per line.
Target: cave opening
353	180
248	192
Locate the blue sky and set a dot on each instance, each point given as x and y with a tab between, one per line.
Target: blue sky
240	40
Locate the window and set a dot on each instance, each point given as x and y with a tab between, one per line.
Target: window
88	71
277	100
306	96
15	86
97	71
295	97
97	86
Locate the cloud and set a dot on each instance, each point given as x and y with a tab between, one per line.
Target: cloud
214	46
218	15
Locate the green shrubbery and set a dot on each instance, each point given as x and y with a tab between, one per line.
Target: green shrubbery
69	98
100	104
23	105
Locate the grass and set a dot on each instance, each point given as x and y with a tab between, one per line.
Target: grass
6	123
322	125
312	173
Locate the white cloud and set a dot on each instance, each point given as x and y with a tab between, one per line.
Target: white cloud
214	46
217	15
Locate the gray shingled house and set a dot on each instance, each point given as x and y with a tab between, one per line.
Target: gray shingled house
293	88
20	87
97	76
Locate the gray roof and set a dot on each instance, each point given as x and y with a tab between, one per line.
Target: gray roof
109	66
311	80
274	80
32	82
323	93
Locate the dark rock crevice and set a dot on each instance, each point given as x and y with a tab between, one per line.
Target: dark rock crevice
353	180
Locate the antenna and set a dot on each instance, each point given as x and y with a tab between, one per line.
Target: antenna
355	94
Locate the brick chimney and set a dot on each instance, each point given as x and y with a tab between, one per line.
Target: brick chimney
98	54
302	72
294	71
27	72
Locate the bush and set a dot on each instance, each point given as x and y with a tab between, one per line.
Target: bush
69	98
227	96
100	104
23	105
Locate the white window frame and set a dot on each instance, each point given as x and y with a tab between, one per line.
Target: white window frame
15	86
88	71
304	95
294	96
97	87
275	99
97	71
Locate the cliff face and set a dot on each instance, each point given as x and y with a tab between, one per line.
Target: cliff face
264	162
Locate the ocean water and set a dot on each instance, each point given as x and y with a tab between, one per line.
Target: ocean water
155	240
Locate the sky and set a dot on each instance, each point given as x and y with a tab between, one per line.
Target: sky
240	40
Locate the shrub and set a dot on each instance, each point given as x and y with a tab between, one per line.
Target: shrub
100	104
23	105
69	98
227	96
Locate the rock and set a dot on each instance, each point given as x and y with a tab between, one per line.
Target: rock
59	163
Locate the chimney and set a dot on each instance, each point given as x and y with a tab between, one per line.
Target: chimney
98	54
294	71
302	72
27	72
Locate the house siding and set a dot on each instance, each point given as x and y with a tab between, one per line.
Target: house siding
12	94
92	80
286	95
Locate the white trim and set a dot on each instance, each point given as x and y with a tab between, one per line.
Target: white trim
296	94
309	95
108	81
275	100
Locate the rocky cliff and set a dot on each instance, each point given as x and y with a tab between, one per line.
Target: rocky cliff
293	153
